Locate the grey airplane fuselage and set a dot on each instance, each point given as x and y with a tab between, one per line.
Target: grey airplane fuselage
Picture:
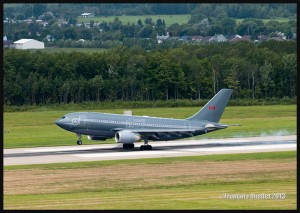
104	125
128	129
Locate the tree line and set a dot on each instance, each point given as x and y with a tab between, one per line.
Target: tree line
233	10
190	71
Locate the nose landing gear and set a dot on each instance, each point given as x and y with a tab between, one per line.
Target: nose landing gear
79	141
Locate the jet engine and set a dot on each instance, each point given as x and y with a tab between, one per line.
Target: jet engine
96	138
210	127
127	137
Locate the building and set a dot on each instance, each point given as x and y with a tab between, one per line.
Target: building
29	44
7	43
239	38
184	38
88	15
162	36
50	38
197	38
217	38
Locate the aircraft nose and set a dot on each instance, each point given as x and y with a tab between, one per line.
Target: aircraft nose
59	122
64	123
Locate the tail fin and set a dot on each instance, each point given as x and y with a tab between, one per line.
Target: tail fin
214	109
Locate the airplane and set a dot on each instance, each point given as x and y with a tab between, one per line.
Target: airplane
128	129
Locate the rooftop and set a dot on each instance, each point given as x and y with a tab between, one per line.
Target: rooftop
21	41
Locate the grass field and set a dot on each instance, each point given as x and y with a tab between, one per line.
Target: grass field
169	19
32	129
197	182
279	19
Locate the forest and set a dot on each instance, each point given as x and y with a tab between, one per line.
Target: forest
189	71
233	10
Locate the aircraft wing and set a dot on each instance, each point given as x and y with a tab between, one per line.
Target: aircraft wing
136	130
158	134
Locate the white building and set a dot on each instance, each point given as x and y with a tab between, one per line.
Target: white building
88	15
29	44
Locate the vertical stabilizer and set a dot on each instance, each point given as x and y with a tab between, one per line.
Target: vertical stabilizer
214	109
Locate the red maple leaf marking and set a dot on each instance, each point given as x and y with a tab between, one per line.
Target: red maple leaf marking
211	107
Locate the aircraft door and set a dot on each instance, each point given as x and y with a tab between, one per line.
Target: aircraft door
82	120
79	122
129	124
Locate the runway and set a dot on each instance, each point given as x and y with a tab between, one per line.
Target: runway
61	154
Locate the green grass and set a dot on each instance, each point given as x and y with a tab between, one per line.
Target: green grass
32	129
169	19
166	192
279	19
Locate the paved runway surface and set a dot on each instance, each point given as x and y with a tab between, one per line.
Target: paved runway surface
59	154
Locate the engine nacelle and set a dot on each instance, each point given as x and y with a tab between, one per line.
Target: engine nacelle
210	127
127	137
96	138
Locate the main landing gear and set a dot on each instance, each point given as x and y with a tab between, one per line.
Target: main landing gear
79	141
146	146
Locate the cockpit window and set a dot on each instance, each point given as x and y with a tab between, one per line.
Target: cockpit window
63	117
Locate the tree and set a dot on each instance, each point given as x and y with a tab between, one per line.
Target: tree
290	71
38	9
229	25
140	23
146	31
160	23
266	81
148	21
70	33
97	85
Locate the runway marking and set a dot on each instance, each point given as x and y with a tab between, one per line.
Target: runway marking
214	149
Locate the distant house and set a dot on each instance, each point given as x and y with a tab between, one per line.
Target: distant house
184	38
197	38
262	38
278	36
88	15
7	43
29	44
161	38
240	38
217	38
205	39
50	38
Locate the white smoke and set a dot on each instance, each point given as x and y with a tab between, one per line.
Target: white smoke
275	133
281	132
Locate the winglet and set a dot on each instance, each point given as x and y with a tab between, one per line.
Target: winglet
214	109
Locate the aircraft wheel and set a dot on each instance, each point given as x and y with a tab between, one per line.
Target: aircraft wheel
79	142
149	147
